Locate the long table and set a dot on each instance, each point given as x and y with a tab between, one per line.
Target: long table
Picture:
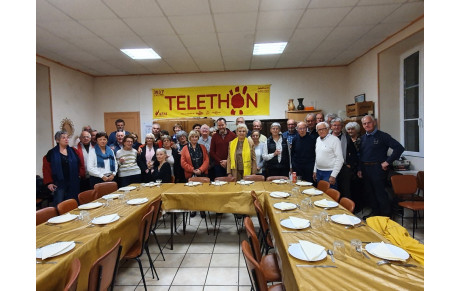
92	241
352	273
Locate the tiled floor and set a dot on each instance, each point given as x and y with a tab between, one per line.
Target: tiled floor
200	261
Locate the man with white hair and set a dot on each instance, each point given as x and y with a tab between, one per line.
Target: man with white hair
303	152
374	163
240	120
257	125
329	158
205	139
83	149
291	132
118	144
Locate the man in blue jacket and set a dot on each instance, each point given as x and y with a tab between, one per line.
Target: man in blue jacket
303	151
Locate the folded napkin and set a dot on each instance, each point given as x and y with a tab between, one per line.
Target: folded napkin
105	219
193	183
90	205
279	194
244	182
111	196
219	183
285	206
323	202
126	188
53	249
312	191
137	201
382	250
298	222
344	219
304	183
280	181
312	251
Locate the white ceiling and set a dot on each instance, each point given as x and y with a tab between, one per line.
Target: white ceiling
214	35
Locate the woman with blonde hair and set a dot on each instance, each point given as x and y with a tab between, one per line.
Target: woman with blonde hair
241	160
194	157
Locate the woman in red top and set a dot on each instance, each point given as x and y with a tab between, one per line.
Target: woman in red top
194	157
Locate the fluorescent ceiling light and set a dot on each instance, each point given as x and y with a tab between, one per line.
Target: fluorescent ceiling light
269	48
141	54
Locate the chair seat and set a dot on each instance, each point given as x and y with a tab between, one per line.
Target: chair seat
277	287
134	251
413	205
270	268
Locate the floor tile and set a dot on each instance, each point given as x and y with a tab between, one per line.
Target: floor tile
222	276
166	276
129	276
153	288
244	288
124	288
220	288
243	277
171	260
201	248
227	248
196	260
224	260
186	288
190	276
177	248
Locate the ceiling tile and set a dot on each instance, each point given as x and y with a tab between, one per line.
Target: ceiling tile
379	2
332	3
383	30
158	66
192	23
236	40
268	5
406	13
125	41
134	8
180	7
107	27
162	43
84	9
148	26
363	15
225	6
66	29
290	60
323	17
278	20
200	40
264	36
348	33
79	56
46	12
182	64
230	22
264	62
309	36
210	64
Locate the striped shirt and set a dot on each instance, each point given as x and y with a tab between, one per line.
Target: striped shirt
129	167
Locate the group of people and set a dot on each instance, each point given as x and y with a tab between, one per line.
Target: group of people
316	149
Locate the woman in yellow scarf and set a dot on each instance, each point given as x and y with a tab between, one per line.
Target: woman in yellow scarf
241	160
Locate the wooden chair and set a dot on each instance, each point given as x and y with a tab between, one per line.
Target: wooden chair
271	178
66	206
101	189
258	280
44	214
348	204
199	179
254	178
72	276
86	196
103	272
156	214
334	194
323	185
226	179
268	263
266	238
415	206
137	249
420	182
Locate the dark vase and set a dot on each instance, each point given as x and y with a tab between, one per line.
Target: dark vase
300	107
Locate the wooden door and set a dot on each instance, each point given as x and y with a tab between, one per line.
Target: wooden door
132	121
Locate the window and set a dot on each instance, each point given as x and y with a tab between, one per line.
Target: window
411	96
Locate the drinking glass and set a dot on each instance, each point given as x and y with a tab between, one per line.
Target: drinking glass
109	202
295	192
356	248
339	250
159	182
84	216
324	218
122	198
316	222
305	204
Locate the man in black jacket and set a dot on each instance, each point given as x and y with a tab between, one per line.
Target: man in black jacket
303	150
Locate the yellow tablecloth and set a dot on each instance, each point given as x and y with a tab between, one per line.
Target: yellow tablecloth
228	198
352	273
93	241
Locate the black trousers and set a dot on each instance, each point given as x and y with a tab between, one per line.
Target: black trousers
374	185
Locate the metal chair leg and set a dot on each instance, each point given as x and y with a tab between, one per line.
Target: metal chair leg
142	272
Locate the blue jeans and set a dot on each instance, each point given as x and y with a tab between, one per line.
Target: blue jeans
324	175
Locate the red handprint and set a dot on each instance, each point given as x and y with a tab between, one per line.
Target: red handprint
237	99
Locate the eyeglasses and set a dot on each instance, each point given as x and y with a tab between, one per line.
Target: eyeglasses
301	128
322	129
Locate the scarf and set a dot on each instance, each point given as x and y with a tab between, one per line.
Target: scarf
101	157
247	161
56	165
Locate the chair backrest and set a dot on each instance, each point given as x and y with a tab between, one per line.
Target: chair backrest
252	238
271	178
348	204
226	179
404	184
334	194
104	270
262	222
253	195
44	214
156	212
144	232
420	180
86	196
72	276
255	273
323	185
101	189
66	206
254	178
199	179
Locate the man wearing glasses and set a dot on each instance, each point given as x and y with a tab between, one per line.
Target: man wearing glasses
329	158
303	150
291	132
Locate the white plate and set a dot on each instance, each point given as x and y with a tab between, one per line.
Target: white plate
90	205
111	196
244	182
295	250
219	183
329	204
193	183
287	204
105	219
151	184
288	223
51	247
353	219
304	183
280	181
394	249
277	194
312	191
127	188
137	201
62	218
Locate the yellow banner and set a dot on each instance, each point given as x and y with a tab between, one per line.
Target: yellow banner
208	101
